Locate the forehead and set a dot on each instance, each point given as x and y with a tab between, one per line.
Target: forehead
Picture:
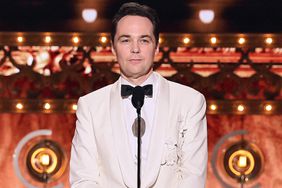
134	25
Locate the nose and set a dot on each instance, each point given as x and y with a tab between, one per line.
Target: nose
135	47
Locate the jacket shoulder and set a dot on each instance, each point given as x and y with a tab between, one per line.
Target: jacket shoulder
101	93
183	90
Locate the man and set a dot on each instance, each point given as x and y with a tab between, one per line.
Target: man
174	145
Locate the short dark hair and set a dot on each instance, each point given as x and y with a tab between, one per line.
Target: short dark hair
136	9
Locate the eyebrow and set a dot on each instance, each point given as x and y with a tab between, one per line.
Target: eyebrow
146	36
128	36
123	36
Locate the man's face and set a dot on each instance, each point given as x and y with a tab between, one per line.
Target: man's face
135	47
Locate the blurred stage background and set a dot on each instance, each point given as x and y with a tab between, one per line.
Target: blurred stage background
50	55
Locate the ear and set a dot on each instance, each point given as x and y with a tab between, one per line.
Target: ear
157	49
113	49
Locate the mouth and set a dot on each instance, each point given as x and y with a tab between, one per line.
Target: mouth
135	60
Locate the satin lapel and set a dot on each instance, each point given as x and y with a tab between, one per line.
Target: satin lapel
122	147
161	122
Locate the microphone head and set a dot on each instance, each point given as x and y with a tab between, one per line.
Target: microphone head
138	97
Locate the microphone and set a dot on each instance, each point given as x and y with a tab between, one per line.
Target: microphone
137	99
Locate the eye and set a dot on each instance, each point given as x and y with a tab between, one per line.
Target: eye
124	40
144	40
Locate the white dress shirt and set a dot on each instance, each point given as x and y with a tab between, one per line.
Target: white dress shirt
147	113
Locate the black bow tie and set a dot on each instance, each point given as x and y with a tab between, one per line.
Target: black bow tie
127	90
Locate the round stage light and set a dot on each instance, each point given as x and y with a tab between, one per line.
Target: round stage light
213	40
268	40
243	161
240	108
89	15
20	39
103	39
45	161
75	40
74	107
47	39
241	40
213	107
186	40
268	107
206	16
19	106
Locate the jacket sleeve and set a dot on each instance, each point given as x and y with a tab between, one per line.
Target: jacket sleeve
84	169
194	149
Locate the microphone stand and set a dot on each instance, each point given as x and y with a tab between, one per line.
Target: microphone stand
139	148
138	101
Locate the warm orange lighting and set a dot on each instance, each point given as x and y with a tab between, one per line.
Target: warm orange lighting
47	106
44	159
75	40
186	40
242	162
20	39
213	40
240	108
103	39
268	40
268	107
160	40
213	107
48	39
19	106
241	40
74	107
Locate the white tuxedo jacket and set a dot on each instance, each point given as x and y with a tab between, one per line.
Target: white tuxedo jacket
177	158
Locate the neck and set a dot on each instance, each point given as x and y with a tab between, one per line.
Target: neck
138	80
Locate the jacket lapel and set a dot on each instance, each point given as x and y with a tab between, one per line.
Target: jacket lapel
160	125
120	137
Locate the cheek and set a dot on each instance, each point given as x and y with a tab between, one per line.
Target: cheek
122	53
152	51
151	55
